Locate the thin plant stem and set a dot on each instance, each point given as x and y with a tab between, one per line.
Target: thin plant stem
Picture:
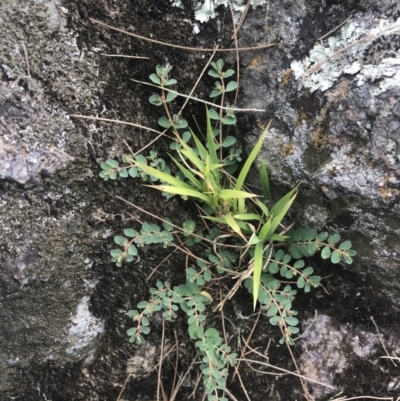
196	49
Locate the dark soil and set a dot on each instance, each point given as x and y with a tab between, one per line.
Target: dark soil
102	378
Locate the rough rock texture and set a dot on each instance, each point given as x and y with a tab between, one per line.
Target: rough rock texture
62	304
336	129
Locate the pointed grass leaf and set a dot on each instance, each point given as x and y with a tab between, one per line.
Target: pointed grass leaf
252	156
257	269
191	193
264	181
233	194
162	176
280	209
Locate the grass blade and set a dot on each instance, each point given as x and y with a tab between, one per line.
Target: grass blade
210	141
162	176
233	194
188	174
280	209
258	262
252	156
264	181
192	193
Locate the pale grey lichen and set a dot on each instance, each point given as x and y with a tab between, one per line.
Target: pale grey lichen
346	49
206	9
84	328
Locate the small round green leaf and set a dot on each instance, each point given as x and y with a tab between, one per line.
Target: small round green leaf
333	239
231	86
132	250
335	257
291	321
228	141
171	81
213	114
326	253
164	122
115	253
120	240
155	78
300	282
229	73
130	232
345	246
189	226
155	100
171	96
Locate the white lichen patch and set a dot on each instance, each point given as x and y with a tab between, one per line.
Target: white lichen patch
84	328
206	9
345	53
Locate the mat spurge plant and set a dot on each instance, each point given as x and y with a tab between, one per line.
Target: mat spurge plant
242	234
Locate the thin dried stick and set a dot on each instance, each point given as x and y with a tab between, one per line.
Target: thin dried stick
28	70
176	361
123	56
241	20
123	386
156	268
248	339
242	384
335	29
287	371
380	339
180	381
195	98
173	225
196	83
196	49
362	397
235	32
108	120
230	395
161	357
303	385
